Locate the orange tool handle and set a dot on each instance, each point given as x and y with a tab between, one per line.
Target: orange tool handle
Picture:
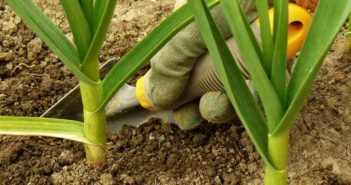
299	22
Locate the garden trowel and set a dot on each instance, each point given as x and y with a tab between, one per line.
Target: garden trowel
125	109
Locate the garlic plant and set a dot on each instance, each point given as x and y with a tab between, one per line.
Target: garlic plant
281	98
89	21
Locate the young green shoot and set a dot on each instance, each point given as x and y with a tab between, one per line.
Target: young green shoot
89	21
282	99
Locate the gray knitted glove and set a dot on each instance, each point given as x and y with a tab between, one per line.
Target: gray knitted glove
172	70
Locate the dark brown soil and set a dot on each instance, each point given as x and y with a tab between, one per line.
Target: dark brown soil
151	154
32	79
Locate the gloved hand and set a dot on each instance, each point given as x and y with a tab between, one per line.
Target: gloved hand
180	72
172	67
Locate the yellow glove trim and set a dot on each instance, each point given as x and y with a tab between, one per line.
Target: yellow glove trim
140	94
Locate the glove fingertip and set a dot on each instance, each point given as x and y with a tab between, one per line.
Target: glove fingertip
215	107
188	116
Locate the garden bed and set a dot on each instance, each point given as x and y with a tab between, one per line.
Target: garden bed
32	79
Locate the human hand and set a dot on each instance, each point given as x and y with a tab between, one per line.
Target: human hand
181	72
172	69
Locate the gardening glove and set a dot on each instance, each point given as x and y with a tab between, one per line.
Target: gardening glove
167	82
181	72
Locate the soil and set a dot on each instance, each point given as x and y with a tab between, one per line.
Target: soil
32	78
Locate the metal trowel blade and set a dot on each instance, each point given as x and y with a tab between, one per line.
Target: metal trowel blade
123	109
136	117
